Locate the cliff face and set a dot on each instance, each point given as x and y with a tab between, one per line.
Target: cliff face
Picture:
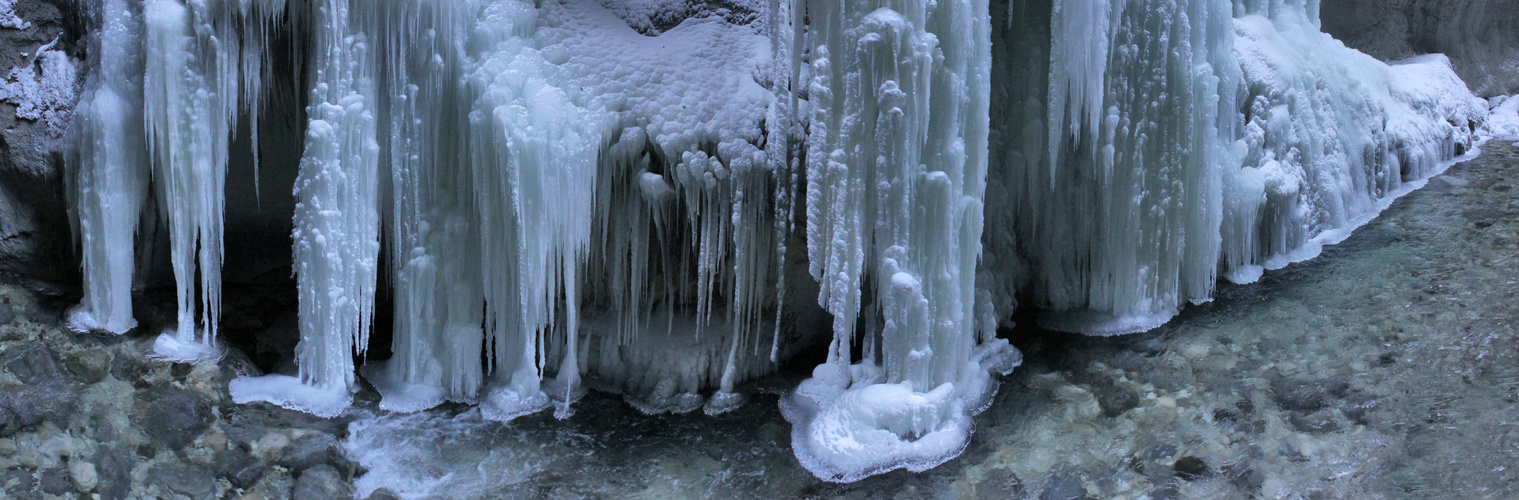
1481	37
38	44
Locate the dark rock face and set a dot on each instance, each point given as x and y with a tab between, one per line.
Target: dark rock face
1481	37
33	222
174	417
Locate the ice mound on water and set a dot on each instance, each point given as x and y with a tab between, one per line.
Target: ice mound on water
848	425
1503	122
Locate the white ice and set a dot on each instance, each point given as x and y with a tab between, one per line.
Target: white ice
1503	120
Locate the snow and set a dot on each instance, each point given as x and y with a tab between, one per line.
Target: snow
8	17
170	347
1503	120
43	88
1316	163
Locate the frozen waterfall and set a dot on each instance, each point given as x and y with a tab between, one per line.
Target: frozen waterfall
554	196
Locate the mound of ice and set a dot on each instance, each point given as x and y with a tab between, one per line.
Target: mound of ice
848	425
293	393
1503	120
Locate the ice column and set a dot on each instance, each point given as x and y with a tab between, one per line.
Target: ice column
337	221
432	238
108	170
198	78
896	173
534	173
1119	217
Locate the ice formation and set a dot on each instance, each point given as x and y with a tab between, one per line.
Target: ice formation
8	17
1503	120
666	198
43	89
1147	183
108	170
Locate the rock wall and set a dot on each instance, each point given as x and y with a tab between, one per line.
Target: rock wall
1481	37
34	235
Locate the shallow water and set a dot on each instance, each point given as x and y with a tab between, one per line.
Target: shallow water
1388	367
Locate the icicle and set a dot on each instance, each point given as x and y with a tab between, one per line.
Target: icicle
189	117
432	242
109	169
336	223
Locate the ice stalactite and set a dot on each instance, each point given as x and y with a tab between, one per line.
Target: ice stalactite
672	242
896	173
533	158
170	82
431	237
1157	178
337	220
195	90
108	171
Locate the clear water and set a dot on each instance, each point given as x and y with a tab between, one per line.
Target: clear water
1386	368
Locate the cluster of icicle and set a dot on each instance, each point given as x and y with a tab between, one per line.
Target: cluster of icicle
564	202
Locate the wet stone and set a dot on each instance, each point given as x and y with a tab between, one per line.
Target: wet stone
182	479
17	480
314	450
1064	487
7	313
113	472
84	476
181	370
174	417
321	483
31	362
387	494
1113	400
1307	395
239	467
996	484
88	367
130	369
236	364
1318	422
52	401
10	423
1190	468
55	481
